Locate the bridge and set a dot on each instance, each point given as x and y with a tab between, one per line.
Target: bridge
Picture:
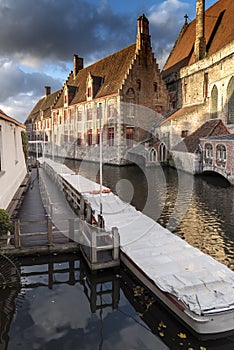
218	155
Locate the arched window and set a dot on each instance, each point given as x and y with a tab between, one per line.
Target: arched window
208	154
130	99
230	95
221	155
152	155
162	152
214	102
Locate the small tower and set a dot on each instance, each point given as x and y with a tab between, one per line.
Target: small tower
143	36
200	42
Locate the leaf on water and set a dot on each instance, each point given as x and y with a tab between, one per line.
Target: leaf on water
182	335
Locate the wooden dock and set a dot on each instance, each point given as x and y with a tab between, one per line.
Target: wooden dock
49	221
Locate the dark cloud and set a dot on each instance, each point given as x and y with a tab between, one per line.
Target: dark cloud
57	29
44	35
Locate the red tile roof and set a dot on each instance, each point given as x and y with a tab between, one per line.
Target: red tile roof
219	31
4	116
212	127
112	69
43	104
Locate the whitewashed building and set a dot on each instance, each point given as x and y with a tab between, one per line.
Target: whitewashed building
13	168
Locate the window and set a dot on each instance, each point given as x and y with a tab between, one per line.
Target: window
111	135
153	155
89	114
162	152
138	85
214	102
206	84
184	133
185	91
111	111
89	137
221	155
208	155
155	87
89	91
79	116
129	136
79	139
230	96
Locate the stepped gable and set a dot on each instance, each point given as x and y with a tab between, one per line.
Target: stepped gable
110	72
4	116
219	32
212	127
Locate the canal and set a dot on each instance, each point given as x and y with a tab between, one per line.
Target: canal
62	306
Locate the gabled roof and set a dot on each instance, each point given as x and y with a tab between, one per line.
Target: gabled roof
219	31
44	104
4	116
112	69
228	137
212	127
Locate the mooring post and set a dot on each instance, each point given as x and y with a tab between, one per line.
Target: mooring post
49	232
116	242
115	293
17	234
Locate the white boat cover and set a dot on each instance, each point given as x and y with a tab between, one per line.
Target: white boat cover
199	281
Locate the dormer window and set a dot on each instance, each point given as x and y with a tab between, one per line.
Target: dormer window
89	87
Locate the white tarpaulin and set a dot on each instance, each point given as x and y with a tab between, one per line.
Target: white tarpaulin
195	278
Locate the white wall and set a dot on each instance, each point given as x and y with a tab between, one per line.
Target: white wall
13	168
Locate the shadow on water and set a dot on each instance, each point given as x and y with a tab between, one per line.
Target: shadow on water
215	179
67	307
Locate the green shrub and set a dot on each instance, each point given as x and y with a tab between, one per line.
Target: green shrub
5	222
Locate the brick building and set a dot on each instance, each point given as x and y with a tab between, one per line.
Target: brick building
218	155
124	91
199	72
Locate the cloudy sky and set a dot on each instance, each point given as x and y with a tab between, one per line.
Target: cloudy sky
38	40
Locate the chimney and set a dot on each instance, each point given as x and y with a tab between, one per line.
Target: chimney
47	90
142	32
200	42
78	65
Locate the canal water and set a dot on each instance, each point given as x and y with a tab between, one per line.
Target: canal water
62	306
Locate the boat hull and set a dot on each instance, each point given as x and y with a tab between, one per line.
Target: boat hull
214	324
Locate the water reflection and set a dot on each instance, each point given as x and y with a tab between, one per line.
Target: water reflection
67	307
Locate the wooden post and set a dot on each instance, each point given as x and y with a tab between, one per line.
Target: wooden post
49	232
115	293
71	233
116	243
17	234
93	246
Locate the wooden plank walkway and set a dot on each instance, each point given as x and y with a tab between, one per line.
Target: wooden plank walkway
35	226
